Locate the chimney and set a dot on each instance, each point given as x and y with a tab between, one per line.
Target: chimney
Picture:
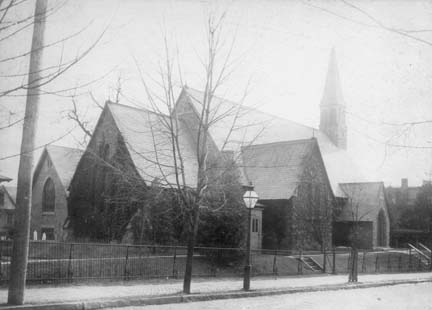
404	183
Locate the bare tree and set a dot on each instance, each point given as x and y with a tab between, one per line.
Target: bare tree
168	128
11	25
355	213
192	187
16	21
314	209
404	131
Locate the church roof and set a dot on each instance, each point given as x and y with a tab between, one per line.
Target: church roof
64	160
148	140
276	168
235	127
240	126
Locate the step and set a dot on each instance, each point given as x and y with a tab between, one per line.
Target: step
310	263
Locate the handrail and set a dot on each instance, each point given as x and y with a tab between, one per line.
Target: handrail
424	247
306	263
321	267
314	261
419	252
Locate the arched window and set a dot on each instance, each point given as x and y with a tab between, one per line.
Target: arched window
48	197
105	168
106	151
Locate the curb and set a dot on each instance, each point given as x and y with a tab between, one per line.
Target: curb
172	299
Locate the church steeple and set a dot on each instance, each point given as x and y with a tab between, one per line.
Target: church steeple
332	120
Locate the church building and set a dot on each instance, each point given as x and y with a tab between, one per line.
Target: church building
294	168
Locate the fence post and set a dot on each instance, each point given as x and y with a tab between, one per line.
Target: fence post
300	263
324	260
376	263
364	262
400	262
388	262
349	262
275	268
430	261
409	261
69	272
334	261
1	249
419	264
174	268
126	261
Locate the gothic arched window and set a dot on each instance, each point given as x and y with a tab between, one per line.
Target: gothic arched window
106	151
105	168
48	196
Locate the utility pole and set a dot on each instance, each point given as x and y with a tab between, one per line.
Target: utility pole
20	250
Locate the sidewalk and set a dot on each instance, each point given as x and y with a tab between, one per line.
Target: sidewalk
97	296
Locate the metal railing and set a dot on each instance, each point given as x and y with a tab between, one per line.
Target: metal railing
54	262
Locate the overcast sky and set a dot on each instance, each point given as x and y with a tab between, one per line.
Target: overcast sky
281	51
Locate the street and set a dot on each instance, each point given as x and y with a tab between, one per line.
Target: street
408	296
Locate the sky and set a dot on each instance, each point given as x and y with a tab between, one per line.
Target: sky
280	55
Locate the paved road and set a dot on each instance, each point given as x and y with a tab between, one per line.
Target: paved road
408	296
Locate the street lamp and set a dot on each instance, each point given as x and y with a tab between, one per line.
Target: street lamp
250	199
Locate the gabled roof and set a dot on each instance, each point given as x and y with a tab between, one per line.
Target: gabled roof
366	197
276	168
64	160
10	191
149	143
252	126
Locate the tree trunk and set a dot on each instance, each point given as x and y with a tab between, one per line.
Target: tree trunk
193	230
353	273
23	201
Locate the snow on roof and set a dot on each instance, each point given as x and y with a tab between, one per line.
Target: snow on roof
65	161
239	126
148	140
235	126
276	168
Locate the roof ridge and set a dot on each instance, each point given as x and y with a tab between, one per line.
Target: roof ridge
363	182
255	109
297	141
64	147
110	103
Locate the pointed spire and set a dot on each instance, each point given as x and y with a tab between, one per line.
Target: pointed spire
332	118
332	91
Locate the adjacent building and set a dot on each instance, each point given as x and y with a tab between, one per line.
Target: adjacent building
51	179
7	209
402	202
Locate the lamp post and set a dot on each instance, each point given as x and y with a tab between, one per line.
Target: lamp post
250	199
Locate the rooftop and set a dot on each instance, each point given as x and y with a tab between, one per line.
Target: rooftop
276	168
64	160
238	126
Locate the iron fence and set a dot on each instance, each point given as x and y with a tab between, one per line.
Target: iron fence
54	262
